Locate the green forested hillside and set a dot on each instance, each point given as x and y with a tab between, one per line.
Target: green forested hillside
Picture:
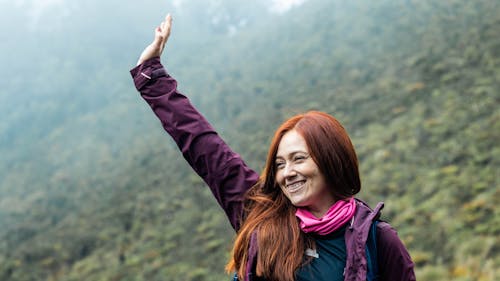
91	188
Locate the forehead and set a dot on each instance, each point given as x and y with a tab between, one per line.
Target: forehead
292	142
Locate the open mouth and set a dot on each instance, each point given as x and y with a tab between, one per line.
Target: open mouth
296	186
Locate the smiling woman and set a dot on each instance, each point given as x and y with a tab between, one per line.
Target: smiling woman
305	190
307	139
299	177
299	219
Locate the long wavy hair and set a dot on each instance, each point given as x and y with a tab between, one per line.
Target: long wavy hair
269	213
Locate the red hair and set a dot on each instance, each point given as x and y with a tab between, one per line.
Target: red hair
268	211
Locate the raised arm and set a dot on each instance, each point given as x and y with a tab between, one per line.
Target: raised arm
222	169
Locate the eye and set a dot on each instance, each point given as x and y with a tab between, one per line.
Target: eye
279	165
299	158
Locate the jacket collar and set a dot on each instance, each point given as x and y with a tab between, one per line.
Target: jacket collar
355	239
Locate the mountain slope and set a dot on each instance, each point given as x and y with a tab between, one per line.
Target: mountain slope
104	194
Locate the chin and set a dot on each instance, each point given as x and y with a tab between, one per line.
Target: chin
299	203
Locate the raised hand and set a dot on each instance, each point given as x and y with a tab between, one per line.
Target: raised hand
155	49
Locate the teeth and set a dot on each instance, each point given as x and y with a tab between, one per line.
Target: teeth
295	186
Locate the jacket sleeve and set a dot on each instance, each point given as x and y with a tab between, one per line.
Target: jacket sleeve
222	169
394	261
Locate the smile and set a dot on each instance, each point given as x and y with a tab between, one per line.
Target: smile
294	187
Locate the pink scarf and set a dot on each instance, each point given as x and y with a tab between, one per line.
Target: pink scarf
338	214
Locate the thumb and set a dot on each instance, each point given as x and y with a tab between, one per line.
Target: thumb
158	42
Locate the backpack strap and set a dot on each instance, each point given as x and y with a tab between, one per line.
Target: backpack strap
371	253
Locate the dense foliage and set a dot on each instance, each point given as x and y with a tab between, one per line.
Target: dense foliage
91	188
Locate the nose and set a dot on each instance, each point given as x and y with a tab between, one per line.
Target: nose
289	171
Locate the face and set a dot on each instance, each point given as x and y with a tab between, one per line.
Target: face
299	177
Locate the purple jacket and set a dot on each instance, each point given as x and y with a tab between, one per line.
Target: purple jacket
229	177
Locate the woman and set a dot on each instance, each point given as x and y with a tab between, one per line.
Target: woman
299	220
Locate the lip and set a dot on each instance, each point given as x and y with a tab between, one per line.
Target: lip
295	186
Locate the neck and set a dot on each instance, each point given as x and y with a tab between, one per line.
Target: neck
321	208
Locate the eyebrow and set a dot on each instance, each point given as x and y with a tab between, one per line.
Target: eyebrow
293	153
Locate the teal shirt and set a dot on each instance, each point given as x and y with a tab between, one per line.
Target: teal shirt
330	264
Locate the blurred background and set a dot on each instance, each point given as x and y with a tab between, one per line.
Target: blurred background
92	188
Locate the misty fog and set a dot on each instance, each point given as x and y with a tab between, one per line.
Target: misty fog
88	175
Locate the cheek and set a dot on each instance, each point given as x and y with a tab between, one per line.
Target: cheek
283	191
279	181
278	178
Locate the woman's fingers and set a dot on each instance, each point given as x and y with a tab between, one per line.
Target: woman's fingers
162	32
167	25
